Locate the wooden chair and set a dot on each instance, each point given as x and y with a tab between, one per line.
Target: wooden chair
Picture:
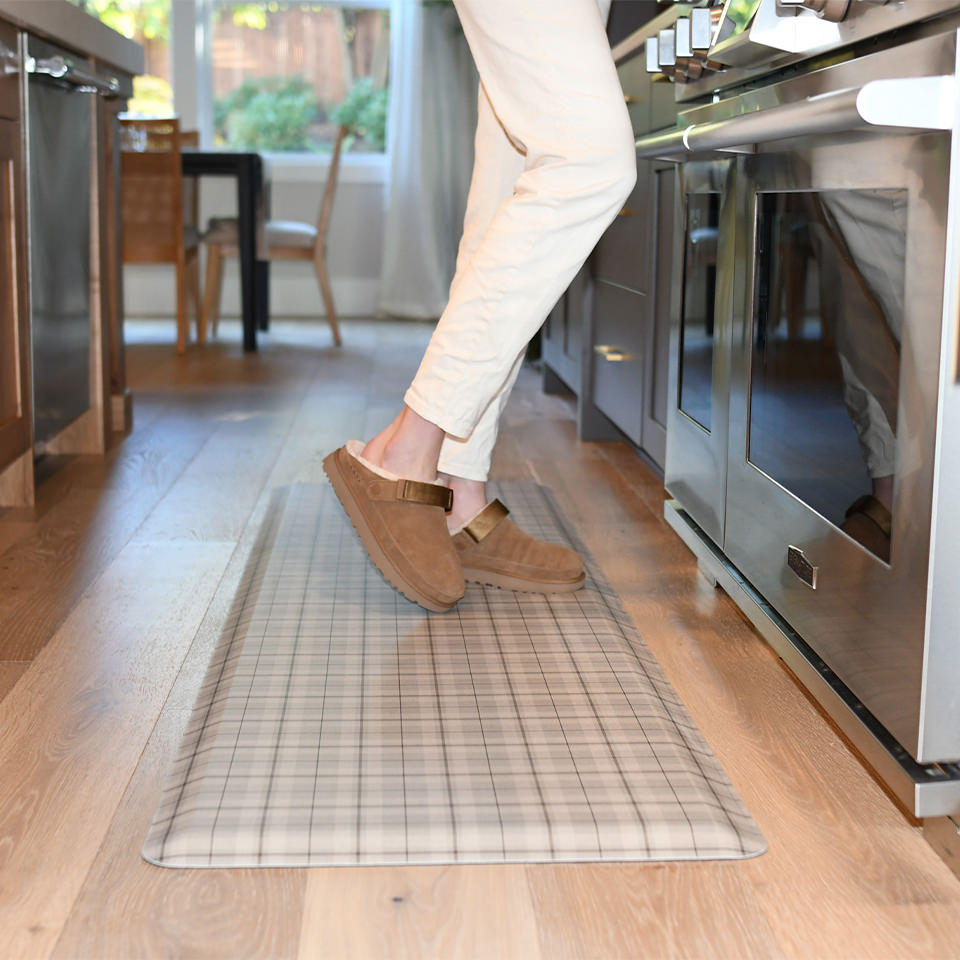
159	211
283	240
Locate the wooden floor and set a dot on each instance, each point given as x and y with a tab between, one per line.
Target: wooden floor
111	594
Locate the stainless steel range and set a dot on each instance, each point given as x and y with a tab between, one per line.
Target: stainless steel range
813	443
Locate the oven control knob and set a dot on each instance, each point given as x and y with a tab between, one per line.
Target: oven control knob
652	50
683	42
703	24
667	41
833	10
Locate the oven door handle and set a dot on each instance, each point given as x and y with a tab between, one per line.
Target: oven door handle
914	102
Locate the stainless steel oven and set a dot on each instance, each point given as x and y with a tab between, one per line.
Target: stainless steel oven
815	366
833	410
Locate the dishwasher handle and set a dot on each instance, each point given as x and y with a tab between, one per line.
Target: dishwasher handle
914	102
60	68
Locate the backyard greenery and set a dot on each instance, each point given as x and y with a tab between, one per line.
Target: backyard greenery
278	113
272	113
364	111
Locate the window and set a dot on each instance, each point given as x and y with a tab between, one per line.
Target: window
148	23
283	74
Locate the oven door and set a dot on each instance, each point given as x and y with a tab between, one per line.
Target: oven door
702	304
833	406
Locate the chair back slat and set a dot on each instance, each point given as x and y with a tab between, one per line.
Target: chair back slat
326	205
153	190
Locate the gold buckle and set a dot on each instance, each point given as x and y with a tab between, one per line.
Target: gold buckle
431	494
483	523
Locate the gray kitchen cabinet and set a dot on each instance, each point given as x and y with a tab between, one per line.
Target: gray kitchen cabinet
562	338
631	322
623	253
631	267
618	352
608	337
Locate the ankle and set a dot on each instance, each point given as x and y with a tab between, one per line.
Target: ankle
374	449
409	447
469	498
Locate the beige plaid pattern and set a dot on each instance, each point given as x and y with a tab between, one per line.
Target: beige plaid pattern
340	724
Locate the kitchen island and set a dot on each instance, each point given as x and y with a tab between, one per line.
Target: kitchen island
65	79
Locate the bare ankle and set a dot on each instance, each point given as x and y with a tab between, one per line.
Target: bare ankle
469	498
409	447
375	447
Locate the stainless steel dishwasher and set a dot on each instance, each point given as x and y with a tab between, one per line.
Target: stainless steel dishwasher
60	117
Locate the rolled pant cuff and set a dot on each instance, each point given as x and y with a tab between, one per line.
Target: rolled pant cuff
463	471
449	424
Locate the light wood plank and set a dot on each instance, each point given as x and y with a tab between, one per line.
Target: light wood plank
86	513
608	911
73	728
402	913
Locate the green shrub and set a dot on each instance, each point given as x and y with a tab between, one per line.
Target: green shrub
364	111
273	113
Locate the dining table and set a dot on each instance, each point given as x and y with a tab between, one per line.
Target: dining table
247	168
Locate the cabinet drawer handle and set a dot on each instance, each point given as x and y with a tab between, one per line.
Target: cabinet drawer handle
612	353
632	98
797	561
628	212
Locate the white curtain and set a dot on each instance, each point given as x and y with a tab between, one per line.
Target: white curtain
434	116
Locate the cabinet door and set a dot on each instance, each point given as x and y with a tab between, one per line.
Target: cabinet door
14	372
657	359
620	321
623	254
563	333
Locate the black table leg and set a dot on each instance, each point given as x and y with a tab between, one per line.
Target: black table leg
263	294
248	183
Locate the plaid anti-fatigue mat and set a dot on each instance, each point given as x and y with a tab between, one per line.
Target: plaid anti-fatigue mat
339	723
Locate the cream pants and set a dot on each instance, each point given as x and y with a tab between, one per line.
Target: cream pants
555	160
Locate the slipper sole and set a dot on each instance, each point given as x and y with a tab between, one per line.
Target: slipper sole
490	578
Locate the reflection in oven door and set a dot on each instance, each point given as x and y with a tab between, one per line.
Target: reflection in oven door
834	403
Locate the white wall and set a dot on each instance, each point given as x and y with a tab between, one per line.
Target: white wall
354	246
356	229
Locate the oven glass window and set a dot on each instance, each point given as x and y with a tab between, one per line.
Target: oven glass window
699	290
826	352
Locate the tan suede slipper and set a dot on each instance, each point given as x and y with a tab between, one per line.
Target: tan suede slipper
496	552
869	522
402	524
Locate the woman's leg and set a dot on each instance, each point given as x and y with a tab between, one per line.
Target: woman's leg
552	86
497	165
550	80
